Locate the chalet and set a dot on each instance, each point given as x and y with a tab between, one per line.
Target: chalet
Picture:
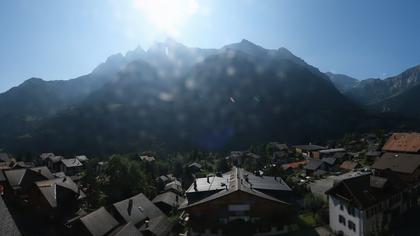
157	226
403	142
168	201
21	181
54	163
349	165
364	205
194	167
136	210
82	158
59	197
97	223
399	166
238	203
146	158
309	151
174	186
44	157
71	166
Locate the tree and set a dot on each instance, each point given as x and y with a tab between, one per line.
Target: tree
313	203
222	165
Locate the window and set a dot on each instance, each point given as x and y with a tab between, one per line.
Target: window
342	220
341	207
352	226
351	211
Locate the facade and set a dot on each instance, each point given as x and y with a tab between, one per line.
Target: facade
239	203
309	151
365	205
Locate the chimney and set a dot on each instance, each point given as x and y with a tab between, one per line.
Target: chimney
64	179
146	223
130	206
208	179
195	185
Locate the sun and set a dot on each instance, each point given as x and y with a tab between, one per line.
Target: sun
167	15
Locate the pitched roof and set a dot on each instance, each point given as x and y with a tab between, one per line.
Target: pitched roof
398	162
7	223
310	147
313	164
99	222
55	159
363	191
332	150
82	158
137	209
16	176
237	180
169	198
403	142
126	230
329	160
159	226
45	156
294	165
51	188
349	165
72	162
174	185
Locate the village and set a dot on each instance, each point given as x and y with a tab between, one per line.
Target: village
359	185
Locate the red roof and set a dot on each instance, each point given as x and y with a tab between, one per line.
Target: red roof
403	142
295	165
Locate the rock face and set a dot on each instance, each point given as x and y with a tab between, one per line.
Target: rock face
181	98
373	91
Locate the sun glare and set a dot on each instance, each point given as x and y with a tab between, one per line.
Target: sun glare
167	15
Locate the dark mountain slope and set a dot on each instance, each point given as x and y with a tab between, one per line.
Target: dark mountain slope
407	103
230	100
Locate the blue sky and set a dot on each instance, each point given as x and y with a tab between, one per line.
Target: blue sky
64	39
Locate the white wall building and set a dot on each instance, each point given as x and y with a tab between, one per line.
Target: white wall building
364	205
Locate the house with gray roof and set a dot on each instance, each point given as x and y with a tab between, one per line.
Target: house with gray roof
225	204
97	223
136	210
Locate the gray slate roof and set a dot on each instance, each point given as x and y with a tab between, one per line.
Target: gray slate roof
237	180
169	198
159	226
50	188
99	222
126	230
16	176
137	209
72	162
7	224
313	164
398	162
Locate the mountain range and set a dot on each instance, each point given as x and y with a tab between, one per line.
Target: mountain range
181	98
398	94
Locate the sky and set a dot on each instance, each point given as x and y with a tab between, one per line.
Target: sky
64	39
